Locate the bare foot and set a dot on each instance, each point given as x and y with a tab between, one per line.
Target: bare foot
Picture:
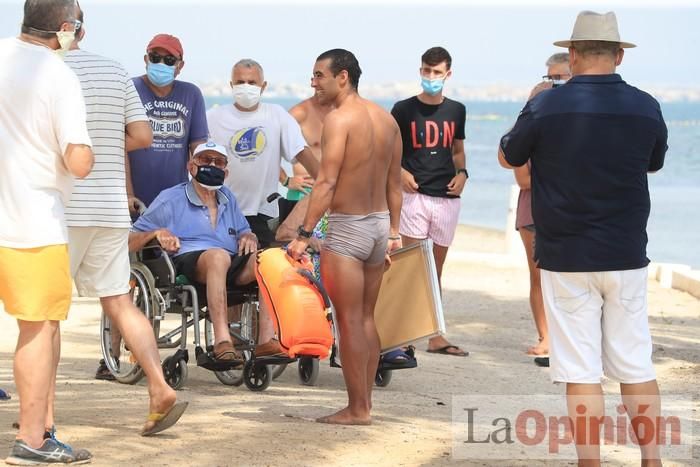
439	344
160	404
344	417
539	350
163	401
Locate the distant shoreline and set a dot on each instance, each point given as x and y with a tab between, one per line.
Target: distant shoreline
500	92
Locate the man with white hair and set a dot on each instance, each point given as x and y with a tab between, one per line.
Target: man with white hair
591	143
257	135
558	72
201	224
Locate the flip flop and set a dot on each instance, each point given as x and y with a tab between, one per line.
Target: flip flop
445	351
163	421
398	359
103	372
542	361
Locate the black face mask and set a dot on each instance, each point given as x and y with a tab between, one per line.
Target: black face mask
210	176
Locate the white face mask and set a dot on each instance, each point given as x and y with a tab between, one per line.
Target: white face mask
65	39
246	95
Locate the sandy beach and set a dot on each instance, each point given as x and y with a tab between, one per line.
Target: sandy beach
487	313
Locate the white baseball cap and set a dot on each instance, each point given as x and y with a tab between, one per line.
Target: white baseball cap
210	146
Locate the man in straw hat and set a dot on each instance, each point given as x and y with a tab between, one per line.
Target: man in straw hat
591	143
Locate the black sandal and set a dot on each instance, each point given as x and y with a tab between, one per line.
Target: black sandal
103	372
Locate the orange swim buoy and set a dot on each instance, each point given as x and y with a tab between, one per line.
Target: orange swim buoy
297	303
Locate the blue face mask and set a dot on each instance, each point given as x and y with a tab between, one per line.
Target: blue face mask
160	74
432	86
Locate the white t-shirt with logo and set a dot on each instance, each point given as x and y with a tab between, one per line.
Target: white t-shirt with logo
111	100
41	112
256	143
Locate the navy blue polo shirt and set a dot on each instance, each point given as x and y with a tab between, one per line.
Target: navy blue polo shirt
591	143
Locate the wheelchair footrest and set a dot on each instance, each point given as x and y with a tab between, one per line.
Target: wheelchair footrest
273	360
206	360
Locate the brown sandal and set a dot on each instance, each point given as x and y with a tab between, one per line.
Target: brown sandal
225	352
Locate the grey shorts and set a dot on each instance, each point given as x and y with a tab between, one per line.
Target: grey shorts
363	237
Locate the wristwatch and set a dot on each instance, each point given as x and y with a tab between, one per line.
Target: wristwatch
303	233
464	171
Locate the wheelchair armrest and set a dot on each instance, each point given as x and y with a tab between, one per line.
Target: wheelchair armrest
152	254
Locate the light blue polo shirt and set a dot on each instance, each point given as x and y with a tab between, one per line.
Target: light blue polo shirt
180	210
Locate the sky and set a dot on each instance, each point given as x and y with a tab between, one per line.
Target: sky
491	42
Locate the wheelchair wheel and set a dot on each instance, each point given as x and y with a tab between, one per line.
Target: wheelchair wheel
277	370
230	377
308	370
176	376
117	356
256	377
382	378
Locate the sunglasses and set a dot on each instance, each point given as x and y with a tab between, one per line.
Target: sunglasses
555	77
206	159
169	60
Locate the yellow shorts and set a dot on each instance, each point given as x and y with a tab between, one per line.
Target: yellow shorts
35	283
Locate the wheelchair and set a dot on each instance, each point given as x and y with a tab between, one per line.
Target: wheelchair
158	291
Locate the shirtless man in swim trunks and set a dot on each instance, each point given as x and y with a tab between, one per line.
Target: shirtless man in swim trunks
360	182
309	113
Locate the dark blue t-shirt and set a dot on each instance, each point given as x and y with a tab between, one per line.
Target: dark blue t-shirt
177	119
591	143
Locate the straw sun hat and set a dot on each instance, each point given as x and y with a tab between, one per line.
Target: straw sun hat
592	26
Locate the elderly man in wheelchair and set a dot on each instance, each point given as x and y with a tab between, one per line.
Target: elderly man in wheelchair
201	226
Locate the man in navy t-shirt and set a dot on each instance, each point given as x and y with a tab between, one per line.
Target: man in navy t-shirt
176	111
591	143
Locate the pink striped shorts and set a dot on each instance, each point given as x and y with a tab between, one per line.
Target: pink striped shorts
433	217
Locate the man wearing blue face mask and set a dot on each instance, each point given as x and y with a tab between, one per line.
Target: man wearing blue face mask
176	111
433	166
257	136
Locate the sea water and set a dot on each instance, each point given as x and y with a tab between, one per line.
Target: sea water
674	223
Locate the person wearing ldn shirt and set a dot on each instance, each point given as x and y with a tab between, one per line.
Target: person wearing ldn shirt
433	165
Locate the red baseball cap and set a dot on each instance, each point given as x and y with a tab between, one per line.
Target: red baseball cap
167	42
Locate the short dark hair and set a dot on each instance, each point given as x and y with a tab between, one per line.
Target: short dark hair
587	48
43	17
435	56
342	59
